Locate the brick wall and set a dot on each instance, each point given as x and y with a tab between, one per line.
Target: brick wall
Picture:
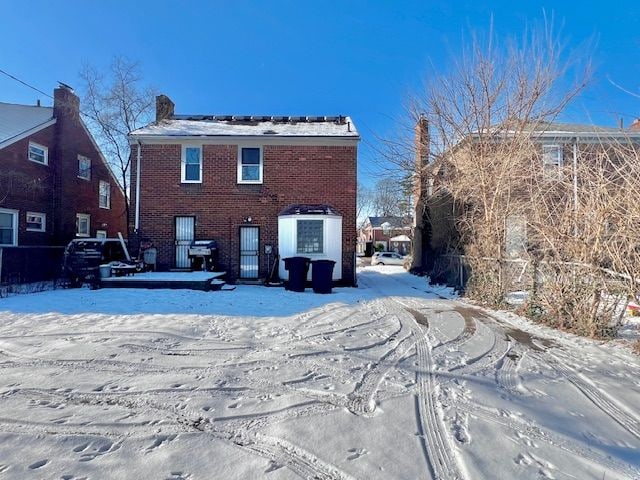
292	174
76	195
55	189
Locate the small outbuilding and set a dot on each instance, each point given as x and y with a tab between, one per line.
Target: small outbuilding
312	231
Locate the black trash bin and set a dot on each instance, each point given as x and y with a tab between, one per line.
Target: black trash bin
298	268
321	275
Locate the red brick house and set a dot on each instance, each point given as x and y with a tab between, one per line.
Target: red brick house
389	233
54	182
260	186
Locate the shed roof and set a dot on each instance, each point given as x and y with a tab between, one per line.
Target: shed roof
309	209
19	119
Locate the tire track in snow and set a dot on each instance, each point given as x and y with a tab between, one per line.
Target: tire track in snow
507	372
487	359
610	406
436	438
527	429
279	451
362	399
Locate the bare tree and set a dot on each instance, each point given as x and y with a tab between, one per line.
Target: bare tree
364	205
391	198
570	229
115	103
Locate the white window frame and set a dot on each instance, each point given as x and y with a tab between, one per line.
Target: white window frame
101	234
553	167
82	158
183	164
45	151
106	206
79	217
14	226
260	165
43	221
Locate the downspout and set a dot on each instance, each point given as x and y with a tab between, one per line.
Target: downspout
137	214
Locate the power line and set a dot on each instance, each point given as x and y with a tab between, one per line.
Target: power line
92	117
25	83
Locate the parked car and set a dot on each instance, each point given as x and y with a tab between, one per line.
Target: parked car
387	258
83	257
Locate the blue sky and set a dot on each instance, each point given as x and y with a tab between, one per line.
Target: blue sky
362	59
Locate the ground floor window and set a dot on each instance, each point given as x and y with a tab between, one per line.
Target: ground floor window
310	236
8	227
36	222
101	234
83	224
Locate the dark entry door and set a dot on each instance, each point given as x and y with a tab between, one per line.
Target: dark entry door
185	231
249	252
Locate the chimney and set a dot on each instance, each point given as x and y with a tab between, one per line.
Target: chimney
164	108
65	102
635	125
422	142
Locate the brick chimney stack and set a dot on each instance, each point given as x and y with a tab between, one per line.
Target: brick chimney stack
164	108
65	102
420	190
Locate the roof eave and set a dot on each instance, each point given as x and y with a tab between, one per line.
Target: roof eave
26	133
135	137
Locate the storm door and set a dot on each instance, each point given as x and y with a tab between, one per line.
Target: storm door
249	251
185	234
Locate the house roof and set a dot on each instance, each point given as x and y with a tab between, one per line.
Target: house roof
18	120
558	130
394	222
250	126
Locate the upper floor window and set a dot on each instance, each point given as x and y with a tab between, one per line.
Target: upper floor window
8	227
310	236
105	195
552	159
191	164
36	222
84	167
83	224
38	153
250	165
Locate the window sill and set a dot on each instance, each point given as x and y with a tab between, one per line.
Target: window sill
35	230
44	164
254	182
84	178
105	208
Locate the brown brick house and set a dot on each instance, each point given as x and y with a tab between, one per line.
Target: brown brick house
260	186
54	182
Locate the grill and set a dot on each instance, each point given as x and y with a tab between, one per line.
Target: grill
203	255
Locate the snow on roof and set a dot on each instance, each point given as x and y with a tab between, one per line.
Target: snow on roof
400	238
394	222
256	126
306	209
18	119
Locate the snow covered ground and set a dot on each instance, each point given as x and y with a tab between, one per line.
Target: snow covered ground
392	380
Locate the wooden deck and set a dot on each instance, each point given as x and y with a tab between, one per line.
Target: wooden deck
205	281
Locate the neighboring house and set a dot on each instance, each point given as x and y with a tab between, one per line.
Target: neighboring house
55	184
558	149
260	186
386	233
